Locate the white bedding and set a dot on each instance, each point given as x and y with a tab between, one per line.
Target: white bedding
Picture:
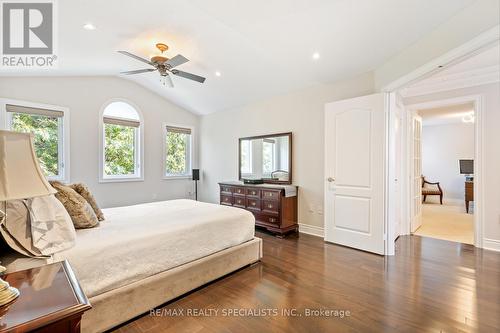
135	242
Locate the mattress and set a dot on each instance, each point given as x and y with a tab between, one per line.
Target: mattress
135	242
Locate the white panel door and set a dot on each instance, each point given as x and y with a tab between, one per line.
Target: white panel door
354	172
416	174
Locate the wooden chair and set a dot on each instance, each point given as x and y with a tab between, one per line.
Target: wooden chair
431	190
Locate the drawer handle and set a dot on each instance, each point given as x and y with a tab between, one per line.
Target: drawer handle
239	191
253	203
272	219
239	201
253	193
269	206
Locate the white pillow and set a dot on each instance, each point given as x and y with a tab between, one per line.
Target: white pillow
51	227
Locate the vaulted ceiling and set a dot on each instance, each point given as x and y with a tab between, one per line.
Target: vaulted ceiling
260	47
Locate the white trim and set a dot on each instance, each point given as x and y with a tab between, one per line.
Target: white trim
311	230
461	80
491	244
192	148
479	130
64	147
138	150
458	54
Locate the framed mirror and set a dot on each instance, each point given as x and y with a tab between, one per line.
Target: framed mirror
267	157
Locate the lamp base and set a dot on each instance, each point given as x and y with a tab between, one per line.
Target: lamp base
7	293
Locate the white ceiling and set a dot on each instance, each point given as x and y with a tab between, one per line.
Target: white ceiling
445	115
261	47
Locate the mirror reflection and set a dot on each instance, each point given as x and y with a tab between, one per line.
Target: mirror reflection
265	157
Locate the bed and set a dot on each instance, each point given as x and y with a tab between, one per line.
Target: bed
144	255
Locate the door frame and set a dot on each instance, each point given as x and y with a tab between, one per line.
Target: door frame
477	101
456	55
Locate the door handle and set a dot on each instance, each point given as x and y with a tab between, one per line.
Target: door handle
330	179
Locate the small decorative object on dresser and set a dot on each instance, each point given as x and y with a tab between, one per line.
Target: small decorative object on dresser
274	206
51	301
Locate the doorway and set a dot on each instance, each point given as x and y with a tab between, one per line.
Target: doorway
446	157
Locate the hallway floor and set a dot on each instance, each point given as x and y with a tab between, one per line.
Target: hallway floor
449	222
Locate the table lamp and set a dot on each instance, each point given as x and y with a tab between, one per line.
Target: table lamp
20	178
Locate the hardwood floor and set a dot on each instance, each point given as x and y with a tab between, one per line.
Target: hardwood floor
430	285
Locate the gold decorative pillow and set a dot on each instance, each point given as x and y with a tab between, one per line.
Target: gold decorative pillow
83	190
79	209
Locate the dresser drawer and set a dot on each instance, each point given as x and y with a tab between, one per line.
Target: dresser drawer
224	189
266	218
271	195
253	204
239	201
226	200
254	193
271	207
239	191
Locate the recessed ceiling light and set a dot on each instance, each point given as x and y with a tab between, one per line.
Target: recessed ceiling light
315	56
218	73
89	26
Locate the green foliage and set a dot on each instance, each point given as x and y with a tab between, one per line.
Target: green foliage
119	151
176	153
267	157
46	138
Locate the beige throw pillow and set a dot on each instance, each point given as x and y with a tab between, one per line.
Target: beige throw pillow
79	209
84	191
16	230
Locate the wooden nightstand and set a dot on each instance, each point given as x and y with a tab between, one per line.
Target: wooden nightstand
51	301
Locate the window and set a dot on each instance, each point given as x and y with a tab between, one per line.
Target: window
48	129
246	157
178	151
121	145
268	156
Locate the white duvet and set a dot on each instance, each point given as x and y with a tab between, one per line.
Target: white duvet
135	242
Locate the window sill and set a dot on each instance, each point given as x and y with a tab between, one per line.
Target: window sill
177	177
121	180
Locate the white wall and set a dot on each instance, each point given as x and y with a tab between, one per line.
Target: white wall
491	142
85	96
300	112
442	147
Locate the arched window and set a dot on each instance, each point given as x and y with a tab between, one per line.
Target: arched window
121	154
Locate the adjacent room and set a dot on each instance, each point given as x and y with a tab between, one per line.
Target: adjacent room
249	166
447	173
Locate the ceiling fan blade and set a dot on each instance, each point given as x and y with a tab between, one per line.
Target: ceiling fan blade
190	76
136	57
138	71
177	60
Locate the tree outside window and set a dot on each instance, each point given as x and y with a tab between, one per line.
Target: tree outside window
177	151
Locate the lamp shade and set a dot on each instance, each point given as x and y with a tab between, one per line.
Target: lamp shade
20	173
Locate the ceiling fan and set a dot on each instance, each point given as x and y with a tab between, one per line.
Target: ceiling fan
164	66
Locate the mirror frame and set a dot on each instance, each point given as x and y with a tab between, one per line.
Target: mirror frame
290	152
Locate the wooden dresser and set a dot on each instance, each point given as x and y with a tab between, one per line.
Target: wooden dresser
268	203
469	193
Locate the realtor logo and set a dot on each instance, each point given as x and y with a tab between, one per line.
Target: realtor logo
28	29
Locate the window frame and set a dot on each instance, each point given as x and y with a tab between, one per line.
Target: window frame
189	158
250	157
63	132
138	147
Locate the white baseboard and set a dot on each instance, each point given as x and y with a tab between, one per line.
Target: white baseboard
311	230
491	244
